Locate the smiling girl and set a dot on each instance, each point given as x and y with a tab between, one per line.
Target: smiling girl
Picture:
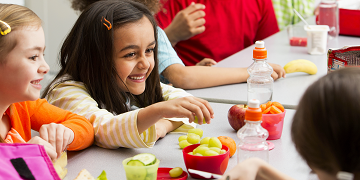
22	67
109	74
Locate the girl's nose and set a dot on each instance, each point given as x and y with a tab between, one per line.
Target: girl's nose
44	68
144	63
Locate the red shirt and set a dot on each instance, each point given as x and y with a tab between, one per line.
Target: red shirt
231	25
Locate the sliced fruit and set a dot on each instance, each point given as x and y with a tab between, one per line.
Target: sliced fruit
267	110
275	110
135	163
278	105
146	158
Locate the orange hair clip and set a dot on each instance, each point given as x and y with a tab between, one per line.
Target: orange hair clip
8	30
107	26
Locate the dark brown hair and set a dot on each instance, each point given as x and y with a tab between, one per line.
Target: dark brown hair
87	55
326	125
80	5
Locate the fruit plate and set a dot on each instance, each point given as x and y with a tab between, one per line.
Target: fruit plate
163	173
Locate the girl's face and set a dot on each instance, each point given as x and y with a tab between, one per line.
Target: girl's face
134	45
24	66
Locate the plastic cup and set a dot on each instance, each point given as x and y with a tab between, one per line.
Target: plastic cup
273	123
141	172
297	35
212	164
317	38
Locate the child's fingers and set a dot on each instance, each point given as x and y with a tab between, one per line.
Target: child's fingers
204	110
194	7
59	140
67	138
50	150
197	15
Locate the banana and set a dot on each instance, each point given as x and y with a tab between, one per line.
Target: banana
300	65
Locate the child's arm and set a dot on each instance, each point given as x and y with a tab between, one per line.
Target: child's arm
254	168
164	126
76	129
111	131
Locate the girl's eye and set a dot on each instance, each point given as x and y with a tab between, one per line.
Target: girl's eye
33	57
150	50
130	55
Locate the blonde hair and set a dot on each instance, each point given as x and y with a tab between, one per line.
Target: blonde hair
16	17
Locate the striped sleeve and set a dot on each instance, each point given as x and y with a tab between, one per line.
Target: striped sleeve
169	92
111	131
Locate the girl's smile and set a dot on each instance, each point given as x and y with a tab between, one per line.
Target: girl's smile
134	45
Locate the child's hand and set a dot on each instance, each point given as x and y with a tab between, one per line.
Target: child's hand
206	62
186	23
278	71
161	130
187	107
57	135
50	150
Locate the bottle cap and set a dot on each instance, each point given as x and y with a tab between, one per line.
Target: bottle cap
253	112
260	51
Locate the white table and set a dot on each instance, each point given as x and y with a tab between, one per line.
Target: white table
95	159
287	91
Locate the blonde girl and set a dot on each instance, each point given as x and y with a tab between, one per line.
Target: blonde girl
22	67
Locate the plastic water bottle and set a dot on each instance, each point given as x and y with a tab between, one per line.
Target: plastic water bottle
260	83
252	135
329	15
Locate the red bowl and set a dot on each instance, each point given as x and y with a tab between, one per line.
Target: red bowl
212	164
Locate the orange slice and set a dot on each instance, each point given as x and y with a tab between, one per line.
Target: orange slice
268	104
263	107
278	105
267	110
275	110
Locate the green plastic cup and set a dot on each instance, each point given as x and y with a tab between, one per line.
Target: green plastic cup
141	172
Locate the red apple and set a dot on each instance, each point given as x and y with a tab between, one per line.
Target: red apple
236	116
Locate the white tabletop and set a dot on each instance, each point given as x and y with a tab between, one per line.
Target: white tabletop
95	159
287	91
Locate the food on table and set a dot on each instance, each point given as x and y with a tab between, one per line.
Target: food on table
145	158
183	137
272	108
176	172
60	165
183	144
236	116
229	142
300	65
196	131
298	41
85	175
215	142
205	140
141	160
193	138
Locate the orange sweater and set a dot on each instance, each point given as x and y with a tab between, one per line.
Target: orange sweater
29	115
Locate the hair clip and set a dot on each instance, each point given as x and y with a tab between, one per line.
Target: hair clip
108	26
342	175
7	31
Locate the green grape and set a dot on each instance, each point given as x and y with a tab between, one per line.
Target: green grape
200	150
183	144
204	145
223	151
193	138
215	149
183	137
197	131
205	140
175	172
191	153
197	121
215	142
210	153
198	154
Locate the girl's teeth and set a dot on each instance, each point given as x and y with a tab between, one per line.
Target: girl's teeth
137	78
35	82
